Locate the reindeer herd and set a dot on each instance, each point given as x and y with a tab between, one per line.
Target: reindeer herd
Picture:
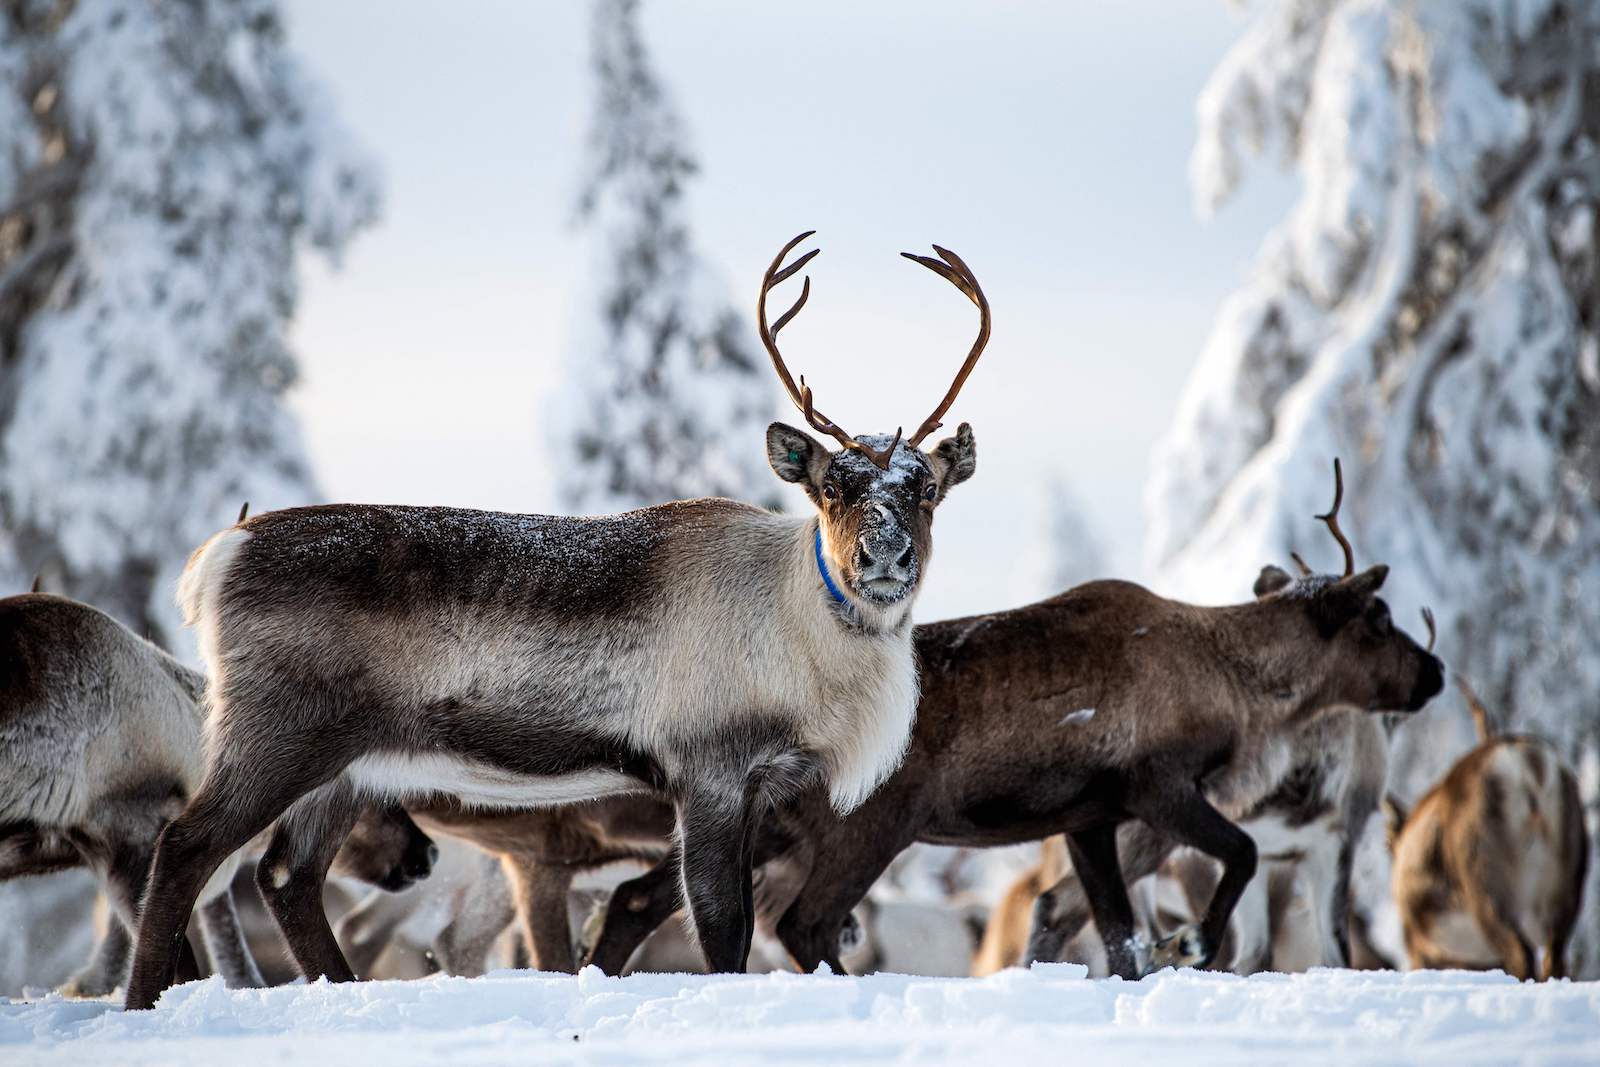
739	701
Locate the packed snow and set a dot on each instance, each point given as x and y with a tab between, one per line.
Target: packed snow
1043	1015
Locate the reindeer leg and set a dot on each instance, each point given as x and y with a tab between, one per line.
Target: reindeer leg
1063	909
365	930
225	943
713	826
292	870
235	803
108	966
842	871
1094	858
1189	818
636	908
483	909
540	892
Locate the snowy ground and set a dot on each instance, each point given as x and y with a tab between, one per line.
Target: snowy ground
1047	1015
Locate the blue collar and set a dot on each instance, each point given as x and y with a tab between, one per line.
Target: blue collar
822	569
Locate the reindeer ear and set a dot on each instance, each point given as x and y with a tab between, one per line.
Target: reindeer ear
955	458
1367	583
1348	598
1271	580
795	455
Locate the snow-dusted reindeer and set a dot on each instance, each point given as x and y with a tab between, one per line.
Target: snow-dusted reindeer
715	652
1306	832
1489	866
100	745
1305	825
1101	706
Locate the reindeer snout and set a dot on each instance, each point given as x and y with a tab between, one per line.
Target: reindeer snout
885	557
1430	680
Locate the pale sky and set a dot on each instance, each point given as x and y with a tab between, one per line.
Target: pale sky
1046	142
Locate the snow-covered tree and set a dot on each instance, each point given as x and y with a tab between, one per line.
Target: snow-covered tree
161	165
1429	313
667	396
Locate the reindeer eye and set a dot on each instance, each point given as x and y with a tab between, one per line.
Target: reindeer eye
830	492
930	490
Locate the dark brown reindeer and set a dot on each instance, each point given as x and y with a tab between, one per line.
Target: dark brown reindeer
1489	866
100	745
1306	830
1104	705
707	650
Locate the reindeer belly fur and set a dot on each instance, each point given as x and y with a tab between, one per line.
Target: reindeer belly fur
406	776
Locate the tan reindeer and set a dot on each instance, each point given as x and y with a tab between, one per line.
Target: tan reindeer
1489	866
1104	706
100	745
711	651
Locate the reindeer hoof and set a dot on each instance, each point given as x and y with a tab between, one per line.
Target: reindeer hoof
1186	948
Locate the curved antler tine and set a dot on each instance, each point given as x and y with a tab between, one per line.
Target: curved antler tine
801	399
954	277
1332	519
1433	633
883	458
788	272
955	271
783	320
1305	568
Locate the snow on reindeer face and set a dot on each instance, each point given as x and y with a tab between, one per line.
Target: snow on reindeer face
876	524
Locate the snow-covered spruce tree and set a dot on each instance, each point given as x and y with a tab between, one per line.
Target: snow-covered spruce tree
666	396
160	167
1429	313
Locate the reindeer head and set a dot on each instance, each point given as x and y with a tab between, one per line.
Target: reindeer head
1359	656
386	849
874	496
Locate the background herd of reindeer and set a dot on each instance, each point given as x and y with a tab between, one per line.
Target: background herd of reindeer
738	701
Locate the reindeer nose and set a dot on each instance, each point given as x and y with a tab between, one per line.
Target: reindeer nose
883	546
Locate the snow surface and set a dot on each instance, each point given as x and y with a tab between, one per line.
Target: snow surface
1039	1015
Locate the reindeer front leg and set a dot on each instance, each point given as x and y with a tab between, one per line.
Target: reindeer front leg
1188	818
636	908
1094	858
715	828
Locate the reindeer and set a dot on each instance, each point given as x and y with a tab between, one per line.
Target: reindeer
100	745
1103	705
707	650
541	851
1305	830
1489	866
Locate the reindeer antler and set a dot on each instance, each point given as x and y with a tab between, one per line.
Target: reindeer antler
801	395
958	274
1332	519
1433	633
244	513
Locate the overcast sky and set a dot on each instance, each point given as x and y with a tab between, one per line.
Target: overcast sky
1046	142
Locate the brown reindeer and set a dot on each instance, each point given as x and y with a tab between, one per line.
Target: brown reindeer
1489	865
1104	705
713	652
100	745
541	850
1306	832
